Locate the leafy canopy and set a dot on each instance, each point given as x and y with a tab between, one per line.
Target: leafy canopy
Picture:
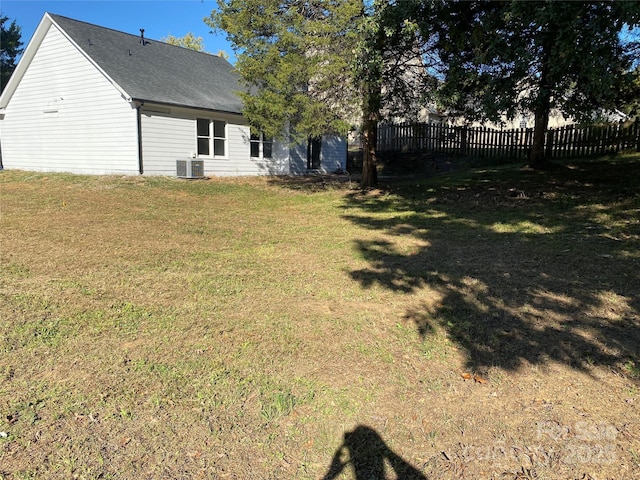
313	67
189	41
516	57
295	60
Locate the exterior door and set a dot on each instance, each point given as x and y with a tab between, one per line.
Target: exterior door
313	153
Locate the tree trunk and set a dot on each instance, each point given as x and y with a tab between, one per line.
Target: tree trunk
537	157
369	143
371	85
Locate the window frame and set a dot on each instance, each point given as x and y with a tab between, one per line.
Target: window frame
213	138
260	140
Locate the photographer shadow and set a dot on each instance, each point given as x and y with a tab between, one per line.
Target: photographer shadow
368	455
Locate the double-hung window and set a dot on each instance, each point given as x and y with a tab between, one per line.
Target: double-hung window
211	137
261	146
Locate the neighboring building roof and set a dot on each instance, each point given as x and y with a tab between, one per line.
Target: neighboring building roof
154	71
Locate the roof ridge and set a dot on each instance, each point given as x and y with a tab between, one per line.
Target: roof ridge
55	15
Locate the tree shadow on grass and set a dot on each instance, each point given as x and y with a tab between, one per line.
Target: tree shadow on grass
520	268
364	451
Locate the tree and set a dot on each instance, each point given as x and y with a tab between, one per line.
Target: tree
630	97
10	49
316	66
511	57
223	54
189	41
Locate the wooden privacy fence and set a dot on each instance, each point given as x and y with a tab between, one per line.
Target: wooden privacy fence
568	141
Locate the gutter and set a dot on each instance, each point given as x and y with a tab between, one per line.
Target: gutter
186	107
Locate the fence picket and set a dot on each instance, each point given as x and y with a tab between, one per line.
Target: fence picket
484	142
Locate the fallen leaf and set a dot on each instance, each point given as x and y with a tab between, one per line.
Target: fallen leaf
466	376
479	379
125	441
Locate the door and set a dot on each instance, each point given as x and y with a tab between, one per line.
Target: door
313	153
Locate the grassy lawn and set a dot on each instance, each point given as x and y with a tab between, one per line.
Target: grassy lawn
480	324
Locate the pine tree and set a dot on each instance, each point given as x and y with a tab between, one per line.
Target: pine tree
10	49
319	66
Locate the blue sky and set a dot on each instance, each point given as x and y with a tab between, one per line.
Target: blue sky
159	18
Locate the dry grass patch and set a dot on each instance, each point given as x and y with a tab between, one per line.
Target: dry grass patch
299	328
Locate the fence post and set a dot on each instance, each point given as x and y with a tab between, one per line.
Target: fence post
549	143
463	140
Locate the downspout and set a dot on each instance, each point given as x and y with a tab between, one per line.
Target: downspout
139	124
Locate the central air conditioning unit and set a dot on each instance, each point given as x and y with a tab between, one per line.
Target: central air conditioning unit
190	168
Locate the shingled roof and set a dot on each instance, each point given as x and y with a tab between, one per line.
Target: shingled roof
153	71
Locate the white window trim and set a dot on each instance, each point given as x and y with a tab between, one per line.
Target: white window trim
212	139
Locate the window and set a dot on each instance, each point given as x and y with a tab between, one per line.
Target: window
523	122
261	146
219	138
204	140
211	137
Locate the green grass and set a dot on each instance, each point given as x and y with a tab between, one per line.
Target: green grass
249	327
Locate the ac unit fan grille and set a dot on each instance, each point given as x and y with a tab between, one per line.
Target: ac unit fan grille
190	168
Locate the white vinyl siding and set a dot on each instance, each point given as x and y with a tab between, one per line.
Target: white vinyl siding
333	156
240	161
171	134
66	116
166	138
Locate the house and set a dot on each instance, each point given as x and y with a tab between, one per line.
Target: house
91	100
524	120
556	120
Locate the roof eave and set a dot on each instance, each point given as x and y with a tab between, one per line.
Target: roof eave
177	105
